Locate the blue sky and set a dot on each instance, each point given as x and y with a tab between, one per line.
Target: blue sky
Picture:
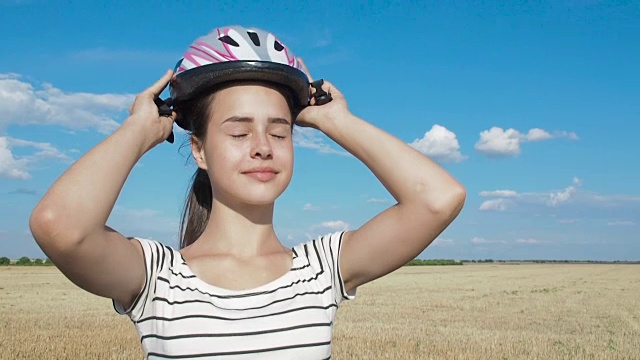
535	108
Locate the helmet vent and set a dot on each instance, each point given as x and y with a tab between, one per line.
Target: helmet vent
228	40
278	46
254	38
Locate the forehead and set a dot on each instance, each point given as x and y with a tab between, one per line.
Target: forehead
249	100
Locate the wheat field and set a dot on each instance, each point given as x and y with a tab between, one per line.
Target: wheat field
488	311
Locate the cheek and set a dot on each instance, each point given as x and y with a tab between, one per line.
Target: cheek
224	157
286	152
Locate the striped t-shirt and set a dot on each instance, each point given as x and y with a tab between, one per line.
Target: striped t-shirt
178	315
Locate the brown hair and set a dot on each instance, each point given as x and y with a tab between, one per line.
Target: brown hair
197	206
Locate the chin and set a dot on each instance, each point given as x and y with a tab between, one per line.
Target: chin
251	192
256	194
259	198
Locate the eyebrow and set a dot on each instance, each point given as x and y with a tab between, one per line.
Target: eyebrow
246	119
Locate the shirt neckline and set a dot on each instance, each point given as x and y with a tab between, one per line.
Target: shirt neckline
295	262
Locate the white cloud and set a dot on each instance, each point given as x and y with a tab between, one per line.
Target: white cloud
563	196
323	39
567	221
337	225
569	135
530	241
10	167
440	144
328	226
570	205
577	181
507	198
23	191
497	142
499	193
443	242
26	104
377	201
309	207
526	241
494	205
537	135
483	241
17	168
621	223
612	199
312	139
46	150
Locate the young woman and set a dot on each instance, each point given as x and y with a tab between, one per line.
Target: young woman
233	290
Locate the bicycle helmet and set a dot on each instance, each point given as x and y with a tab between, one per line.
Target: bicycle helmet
236	53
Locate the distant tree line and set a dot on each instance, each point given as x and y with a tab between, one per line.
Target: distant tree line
433	262
25	261
438	262
553	261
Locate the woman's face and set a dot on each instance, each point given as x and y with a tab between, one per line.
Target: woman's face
248	150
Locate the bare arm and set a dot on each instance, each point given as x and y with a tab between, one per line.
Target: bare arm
69	222
428	198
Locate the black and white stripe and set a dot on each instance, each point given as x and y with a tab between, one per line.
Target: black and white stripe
178	315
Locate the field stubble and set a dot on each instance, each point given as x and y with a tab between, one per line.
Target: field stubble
500	311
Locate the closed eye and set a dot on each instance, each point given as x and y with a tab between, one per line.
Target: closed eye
279	137
239	136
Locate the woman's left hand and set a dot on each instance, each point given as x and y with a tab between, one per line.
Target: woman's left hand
314	115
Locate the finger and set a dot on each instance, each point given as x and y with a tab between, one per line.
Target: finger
159	86
304	67
330	88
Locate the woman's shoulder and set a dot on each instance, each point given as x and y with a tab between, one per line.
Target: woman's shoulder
322	255
157	244
324	248
156	252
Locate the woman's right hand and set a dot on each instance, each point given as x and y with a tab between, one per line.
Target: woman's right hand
144	116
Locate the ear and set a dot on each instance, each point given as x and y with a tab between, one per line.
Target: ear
197	150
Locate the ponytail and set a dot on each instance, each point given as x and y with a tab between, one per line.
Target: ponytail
197	205
197	209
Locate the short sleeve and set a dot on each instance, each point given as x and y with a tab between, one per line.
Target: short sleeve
155	255
331	246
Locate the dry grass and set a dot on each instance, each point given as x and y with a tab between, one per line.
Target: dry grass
459	312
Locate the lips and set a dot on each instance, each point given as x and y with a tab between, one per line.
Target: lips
262	174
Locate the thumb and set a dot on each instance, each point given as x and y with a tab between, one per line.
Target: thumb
158	87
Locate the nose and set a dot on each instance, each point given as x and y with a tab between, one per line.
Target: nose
261	147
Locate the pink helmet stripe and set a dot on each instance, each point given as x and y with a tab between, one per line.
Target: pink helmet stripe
201	54
191	58
226	46
210	53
